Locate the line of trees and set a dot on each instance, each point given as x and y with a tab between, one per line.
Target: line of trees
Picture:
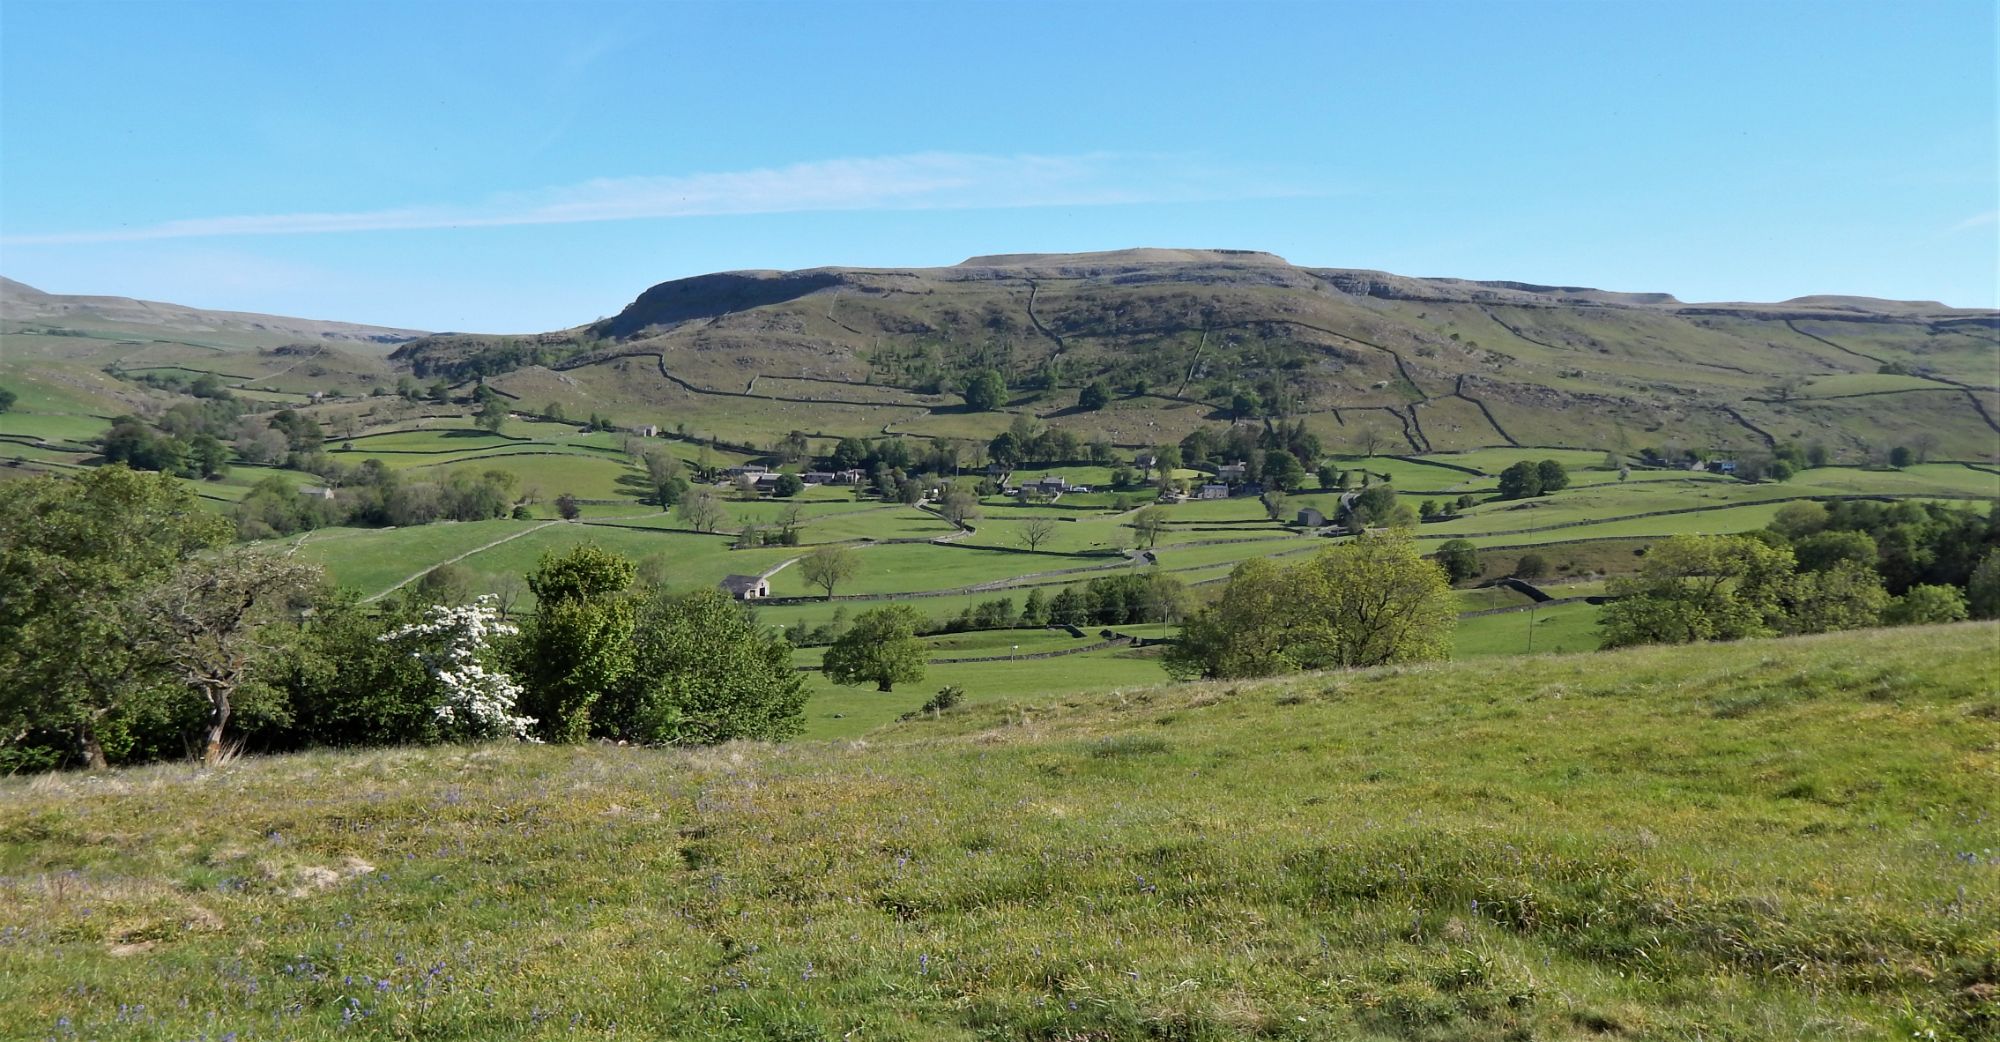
1817	568
131	630
1526	480
376	495
1369	602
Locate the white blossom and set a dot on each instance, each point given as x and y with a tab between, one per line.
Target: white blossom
477	702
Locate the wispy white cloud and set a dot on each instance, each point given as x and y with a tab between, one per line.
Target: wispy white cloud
925	181
1976	221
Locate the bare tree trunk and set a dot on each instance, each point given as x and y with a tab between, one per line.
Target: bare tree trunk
218	718
93	750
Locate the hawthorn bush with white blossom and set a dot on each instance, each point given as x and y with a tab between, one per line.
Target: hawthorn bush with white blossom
473	701
125	565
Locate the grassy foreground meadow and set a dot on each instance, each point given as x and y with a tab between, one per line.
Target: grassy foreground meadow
1785	839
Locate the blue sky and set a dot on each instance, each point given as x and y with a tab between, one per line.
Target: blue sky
525	166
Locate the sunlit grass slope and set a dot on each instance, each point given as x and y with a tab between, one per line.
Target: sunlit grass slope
1791	839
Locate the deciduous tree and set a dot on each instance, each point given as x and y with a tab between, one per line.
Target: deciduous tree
1459	558
1148	523
491	416
205	623
829	566
578	646
880	648
76	554
958	506
1924	604
1693	588
1035	531
700	509
1521	480
704	672
1370	602
986	391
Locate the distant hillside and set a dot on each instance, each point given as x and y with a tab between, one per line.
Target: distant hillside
24	305
1429	364
66	355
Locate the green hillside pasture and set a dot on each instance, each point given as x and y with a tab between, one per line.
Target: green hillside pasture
847	712
1069	535
1857	427
766	511
85	353
948	423
1922	479
829	521
554	473
937	608
760	511
50	388
1595	426
1179	559
1562	628
1027	641
1454	423
25	450
1647	348
1007	644
237	483
787	387
641	515
1954	356
222	368
551	430
1403	473
1352	432
1720	520
1477	333
1608	502
66	428
120	337
1639	475
333	370
631	391
1864	383
1183	535
1092	475
371	560
1785	839
1486	598
1562	351
907	567
898	523
692	560
1493	461
1128	422
1239	508
453	438
1598	557
1132	422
